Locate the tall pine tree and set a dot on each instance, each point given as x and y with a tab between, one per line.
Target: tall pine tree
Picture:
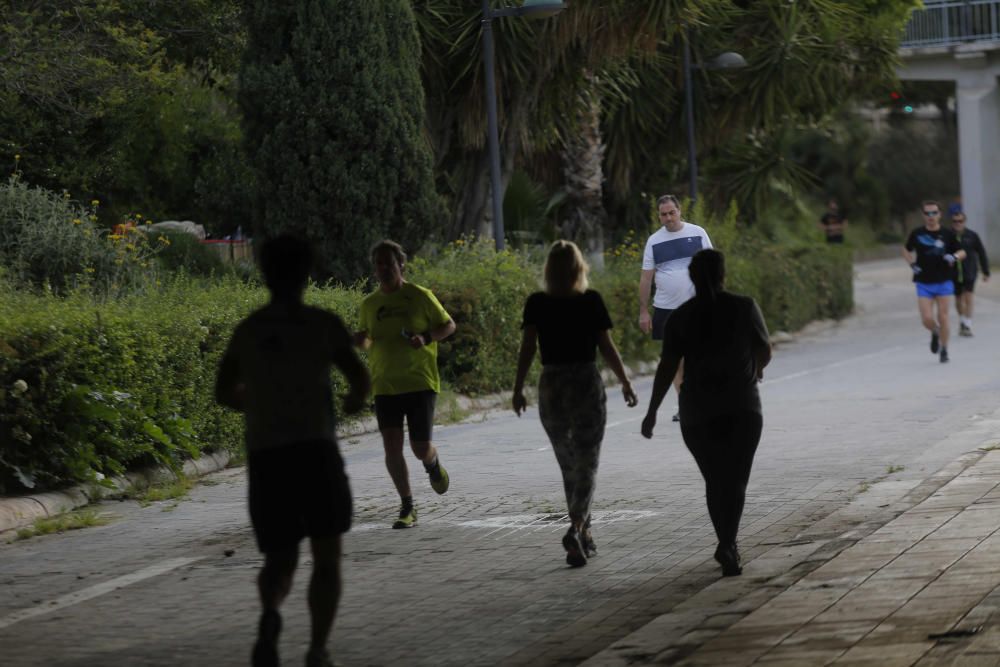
334	123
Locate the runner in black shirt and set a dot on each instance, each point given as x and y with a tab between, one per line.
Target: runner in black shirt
931	251
968	269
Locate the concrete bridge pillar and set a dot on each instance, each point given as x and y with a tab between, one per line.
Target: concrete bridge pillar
977	98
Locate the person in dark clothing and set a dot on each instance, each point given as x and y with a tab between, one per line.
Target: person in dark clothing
570	323
931	251
833	223
724	343
276	371
967	270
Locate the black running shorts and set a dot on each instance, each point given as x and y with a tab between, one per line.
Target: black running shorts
416	406
660	317
296	491
961	287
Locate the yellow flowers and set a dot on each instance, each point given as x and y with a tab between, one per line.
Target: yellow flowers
77	221
163	239
95	202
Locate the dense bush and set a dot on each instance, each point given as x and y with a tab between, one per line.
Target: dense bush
47	240
99	387
184	252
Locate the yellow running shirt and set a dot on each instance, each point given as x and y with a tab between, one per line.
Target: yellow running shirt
396	367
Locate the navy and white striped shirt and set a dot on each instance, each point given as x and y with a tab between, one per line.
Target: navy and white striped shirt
670	254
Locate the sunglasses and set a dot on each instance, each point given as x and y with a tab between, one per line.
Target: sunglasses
932	214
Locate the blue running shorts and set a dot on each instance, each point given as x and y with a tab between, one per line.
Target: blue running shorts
931	290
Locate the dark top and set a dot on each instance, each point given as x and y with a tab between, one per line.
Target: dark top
567	325
831	225
717	342
931	247
975	256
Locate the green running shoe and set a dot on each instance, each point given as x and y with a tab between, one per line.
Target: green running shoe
407	518
439	479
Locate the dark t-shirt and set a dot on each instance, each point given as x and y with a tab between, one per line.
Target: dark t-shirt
567	325
931	247
720	368
832	225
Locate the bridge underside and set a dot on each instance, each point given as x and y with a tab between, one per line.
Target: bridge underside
974	68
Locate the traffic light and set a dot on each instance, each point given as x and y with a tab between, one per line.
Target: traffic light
899	102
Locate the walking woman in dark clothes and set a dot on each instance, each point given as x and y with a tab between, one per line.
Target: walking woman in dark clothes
570	323
724	343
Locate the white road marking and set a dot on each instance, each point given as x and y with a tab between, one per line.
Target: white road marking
836	364
95	591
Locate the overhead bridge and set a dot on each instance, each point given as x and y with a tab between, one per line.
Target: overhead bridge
959	41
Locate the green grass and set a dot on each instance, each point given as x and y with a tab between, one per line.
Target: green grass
989	448
447	409
155	493
891	469
61	523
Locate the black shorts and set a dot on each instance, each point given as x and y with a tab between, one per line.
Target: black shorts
660	317
296	491
835	238
961	287
416	406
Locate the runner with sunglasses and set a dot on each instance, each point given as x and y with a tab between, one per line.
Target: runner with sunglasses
931	251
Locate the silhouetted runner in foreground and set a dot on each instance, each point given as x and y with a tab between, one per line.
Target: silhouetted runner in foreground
724	343
401	324
276	371
570	322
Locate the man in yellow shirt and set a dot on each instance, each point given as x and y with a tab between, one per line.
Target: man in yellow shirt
400	324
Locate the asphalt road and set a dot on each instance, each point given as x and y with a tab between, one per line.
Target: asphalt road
481	580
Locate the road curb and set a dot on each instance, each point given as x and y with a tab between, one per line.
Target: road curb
20	511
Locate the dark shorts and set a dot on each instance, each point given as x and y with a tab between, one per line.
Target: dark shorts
835	238
416	406
962	287
660	317
297	491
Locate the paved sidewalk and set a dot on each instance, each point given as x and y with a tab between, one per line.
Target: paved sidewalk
921	589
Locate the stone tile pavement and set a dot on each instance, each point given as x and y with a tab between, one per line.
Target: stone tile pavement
921	589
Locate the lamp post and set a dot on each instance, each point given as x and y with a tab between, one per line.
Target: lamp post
530	8
727	60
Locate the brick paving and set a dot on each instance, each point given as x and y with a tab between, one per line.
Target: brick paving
858	423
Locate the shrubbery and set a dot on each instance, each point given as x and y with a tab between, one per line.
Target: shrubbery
49	241
104	385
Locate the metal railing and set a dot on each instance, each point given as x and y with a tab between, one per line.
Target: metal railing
957	22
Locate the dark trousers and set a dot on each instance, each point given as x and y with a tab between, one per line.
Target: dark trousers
724	448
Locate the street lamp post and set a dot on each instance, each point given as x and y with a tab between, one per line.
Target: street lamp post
727	60
530	8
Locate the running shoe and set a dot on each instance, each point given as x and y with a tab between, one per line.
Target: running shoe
729	558
319	659
575	555
439	478
407	517
676	417
944	355
965	331
935	341
265	651
589	548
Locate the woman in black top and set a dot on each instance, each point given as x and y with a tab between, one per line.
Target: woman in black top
570	323
724	343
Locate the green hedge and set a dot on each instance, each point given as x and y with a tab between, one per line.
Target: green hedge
92	386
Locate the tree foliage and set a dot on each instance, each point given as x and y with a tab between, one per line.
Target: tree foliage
333	117
123	101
